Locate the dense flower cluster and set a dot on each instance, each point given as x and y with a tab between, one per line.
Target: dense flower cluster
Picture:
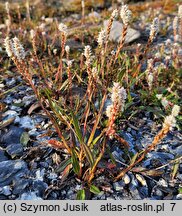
67	48
101	38
170	121
32	33
154	28
87	54
63	28
7	7
118	98
125	14
9	46
164	101
114	14
14	48
95	74
18	49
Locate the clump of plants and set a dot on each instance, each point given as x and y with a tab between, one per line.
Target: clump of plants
84	97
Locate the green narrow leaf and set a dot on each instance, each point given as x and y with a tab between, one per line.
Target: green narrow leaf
111	156
88	154
63	165
134	158
80	195
175	169
94	189
77	128
97	121
24	138
96	139
75	162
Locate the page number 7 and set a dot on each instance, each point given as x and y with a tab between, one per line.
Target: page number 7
173	204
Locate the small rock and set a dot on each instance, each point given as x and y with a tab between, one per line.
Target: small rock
16	108
26	122
126	179
78	187
110	198
52	176
3	197
141	179
27	100
17	101
8	99
118	186
9	114
10	82
11	137
116	30
6	190
135	194
143	192
179	197
157	193
39	187
45	165
2	156
63	192
12	171
161	155
20	186
75	16
102	196
29	196
133	183
70	192
178	150
33	132
94	15
14	150
162	182
107	103
40	174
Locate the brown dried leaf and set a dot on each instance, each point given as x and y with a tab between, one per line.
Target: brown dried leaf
65	173
33	107
147	172
7	122
56	143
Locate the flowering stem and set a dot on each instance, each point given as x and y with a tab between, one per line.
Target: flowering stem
121	44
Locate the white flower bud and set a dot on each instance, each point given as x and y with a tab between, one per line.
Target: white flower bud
63	28
114	14
87	54
7	7
9	46
67	48
101	38
154	28
125	14
19	51
32	33
175	110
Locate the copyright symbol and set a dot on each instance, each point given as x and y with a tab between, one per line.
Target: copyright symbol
9	207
